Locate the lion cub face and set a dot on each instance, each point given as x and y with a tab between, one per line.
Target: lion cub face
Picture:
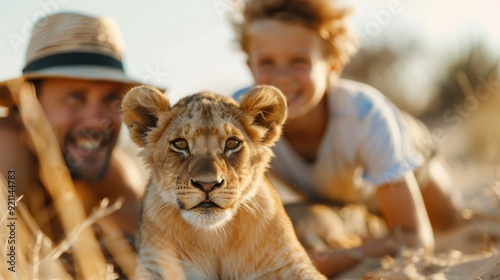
205	152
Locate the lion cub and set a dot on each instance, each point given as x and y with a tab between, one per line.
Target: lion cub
209	212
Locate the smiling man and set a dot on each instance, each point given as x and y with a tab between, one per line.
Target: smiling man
74	62
83	114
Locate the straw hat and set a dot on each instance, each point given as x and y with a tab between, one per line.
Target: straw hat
70	45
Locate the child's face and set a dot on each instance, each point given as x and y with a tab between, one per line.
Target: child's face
290	57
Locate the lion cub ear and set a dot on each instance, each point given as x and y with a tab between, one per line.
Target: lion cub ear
141	108
267	106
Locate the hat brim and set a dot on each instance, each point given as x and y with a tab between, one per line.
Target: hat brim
85	72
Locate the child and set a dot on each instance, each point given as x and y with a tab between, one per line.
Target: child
343	141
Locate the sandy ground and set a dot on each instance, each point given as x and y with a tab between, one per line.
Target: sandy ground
468	252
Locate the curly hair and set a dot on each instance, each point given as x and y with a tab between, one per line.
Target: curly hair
321	16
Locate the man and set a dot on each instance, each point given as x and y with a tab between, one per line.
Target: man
74	63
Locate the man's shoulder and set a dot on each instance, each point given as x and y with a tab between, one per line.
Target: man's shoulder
15	153
124	172
10	123
12	135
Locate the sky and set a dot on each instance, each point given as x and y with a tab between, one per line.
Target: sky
188	46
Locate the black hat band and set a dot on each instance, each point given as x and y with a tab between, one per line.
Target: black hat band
73	58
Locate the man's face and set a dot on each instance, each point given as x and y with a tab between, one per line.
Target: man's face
85	116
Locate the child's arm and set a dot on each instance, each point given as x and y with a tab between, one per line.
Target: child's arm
404	211
406	217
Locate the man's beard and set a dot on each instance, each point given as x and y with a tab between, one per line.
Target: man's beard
84	175
87	154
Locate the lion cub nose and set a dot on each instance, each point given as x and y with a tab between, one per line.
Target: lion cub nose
206	186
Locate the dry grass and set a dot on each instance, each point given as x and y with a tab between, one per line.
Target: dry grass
37	257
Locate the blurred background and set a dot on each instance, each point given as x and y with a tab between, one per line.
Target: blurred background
438	60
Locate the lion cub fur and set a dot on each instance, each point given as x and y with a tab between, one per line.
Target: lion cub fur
209	212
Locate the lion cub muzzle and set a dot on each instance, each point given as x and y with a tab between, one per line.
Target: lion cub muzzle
207	187
206	176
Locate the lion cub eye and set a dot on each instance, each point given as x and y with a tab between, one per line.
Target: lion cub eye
232	143
181	144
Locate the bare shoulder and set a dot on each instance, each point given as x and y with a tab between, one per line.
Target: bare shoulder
15	152
10	133
123	171
122	181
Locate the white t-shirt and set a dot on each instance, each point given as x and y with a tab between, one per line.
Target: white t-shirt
366	144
